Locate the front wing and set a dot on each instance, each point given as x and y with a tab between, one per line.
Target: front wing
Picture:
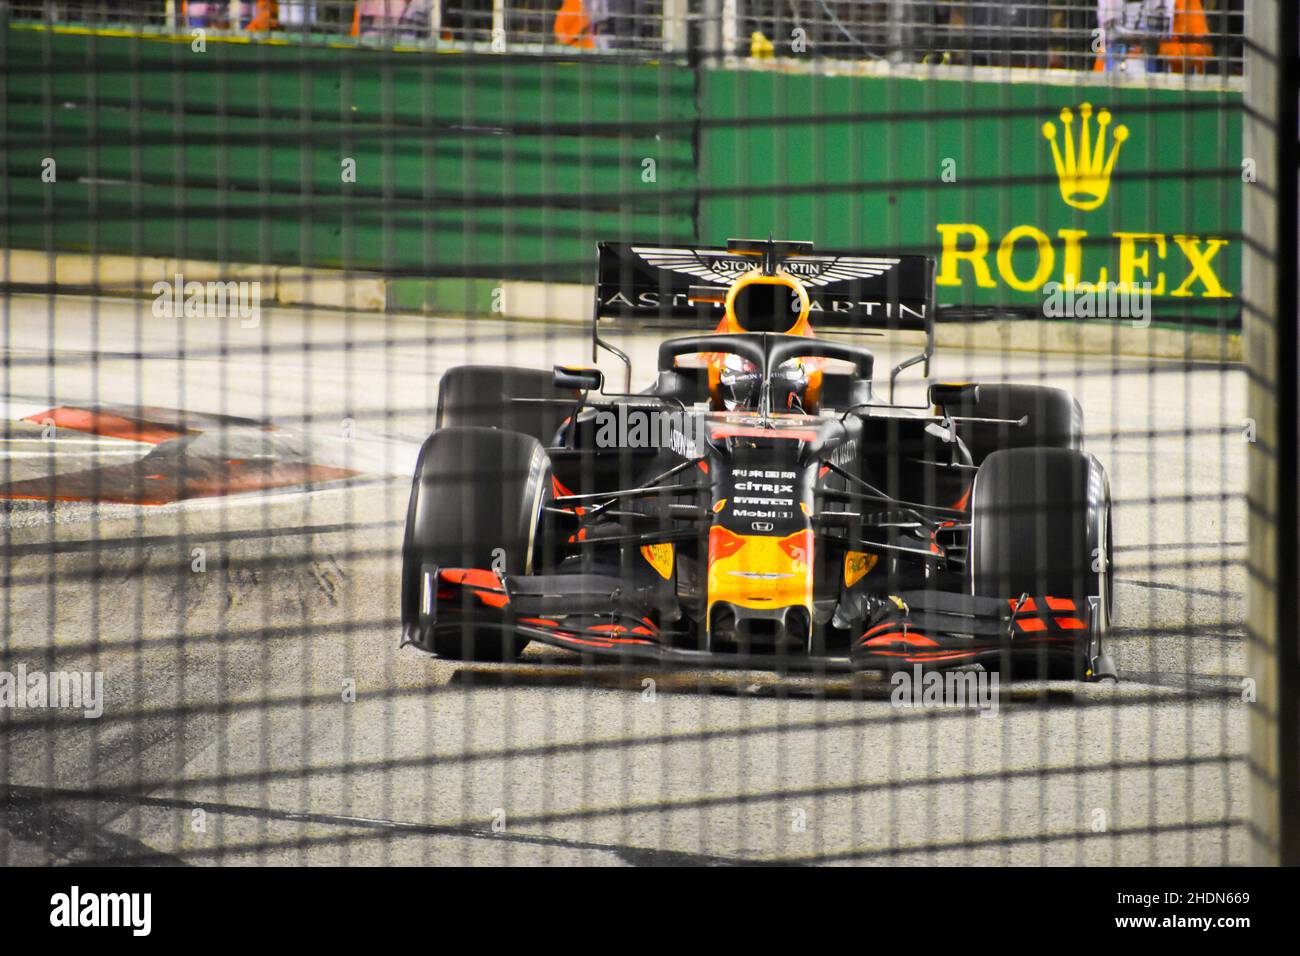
601	616
942	629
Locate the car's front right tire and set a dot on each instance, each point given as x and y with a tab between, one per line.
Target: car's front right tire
1040	525
1053	416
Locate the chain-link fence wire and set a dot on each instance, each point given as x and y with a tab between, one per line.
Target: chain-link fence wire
239	266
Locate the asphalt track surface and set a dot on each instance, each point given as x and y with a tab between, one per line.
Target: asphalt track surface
229	733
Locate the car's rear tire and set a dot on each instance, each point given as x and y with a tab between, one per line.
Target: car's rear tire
1055	419
476	502
482	396
1040	525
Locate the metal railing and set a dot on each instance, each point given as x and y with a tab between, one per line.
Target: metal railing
1131	37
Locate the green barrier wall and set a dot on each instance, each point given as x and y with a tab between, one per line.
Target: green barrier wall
964	170
499	167
462	164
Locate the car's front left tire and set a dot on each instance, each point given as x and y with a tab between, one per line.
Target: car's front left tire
477	500
500	396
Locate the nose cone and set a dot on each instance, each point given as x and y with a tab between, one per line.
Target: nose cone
761	578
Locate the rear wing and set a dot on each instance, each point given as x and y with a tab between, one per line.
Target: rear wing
649	284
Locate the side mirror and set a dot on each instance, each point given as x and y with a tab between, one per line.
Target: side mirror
943	394
578	378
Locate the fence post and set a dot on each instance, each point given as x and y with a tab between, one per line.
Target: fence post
1269	315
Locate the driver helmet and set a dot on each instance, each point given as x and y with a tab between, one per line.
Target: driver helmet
740	385
775	303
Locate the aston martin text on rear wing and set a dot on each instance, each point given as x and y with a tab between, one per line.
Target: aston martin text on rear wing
644	282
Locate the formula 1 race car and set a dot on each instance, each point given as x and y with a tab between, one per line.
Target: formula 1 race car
761	504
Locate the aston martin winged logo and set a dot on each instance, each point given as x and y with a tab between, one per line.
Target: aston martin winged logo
723	268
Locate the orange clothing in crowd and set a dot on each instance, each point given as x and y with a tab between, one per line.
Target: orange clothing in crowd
1183	54
573	26
267	16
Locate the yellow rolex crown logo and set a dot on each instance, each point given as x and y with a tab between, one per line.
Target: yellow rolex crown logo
1084	173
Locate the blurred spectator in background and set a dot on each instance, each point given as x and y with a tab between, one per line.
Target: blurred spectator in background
1129	33
298	13
616	24
1001	32
602	24
573	26
1152	36
1188	50
213	15
266	16
262	15
391	18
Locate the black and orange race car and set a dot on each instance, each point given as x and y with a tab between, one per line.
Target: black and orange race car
761	504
